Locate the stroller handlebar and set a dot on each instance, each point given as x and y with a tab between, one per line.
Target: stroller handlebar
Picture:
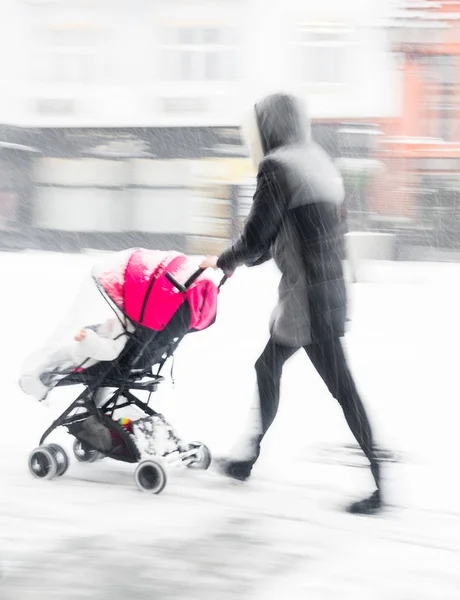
193	277
184	287
175	283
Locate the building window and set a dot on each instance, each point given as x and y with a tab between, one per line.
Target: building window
68	54
442	106
54	106
198	54
174	106
323	54
74	57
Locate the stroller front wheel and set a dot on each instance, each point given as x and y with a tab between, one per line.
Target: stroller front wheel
200	457
83	453
150	477
43	463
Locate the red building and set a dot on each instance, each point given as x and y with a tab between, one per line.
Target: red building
419	186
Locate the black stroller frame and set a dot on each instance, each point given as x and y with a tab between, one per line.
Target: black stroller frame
97	441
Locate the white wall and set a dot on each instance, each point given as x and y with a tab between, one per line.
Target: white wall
130	94
14	50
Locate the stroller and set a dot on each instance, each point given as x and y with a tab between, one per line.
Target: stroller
162	301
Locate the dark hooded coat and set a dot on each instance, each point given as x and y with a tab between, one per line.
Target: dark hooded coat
295	219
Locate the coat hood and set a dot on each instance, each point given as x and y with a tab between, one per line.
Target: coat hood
282	120
251	135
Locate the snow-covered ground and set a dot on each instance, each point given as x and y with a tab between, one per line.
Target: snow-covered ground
283	535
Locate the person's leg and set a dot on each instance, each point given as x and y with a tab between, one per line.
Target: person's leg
329	360
269	367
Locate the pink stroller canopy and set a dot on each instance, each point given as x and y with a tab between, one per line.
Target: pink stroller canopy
135	280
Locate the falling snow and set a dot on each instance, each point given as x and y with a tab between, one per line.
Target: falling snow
120	126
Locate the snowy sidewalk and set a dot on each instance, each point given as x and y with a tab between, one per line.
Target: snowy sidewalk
282	536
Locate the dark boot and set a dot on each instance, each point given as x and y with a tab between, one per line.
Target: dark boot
240	469
373	504
368	506
237	469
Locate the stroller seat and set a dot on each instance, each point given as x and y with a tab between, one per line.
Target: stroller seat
133	369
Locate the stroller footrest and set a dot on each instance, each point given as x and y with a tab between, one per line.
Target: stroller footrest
142	383
150	386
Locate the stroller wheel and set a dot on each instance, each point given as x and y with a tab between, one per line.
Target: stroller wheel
150	477
83	453
61	457
43	463
201	457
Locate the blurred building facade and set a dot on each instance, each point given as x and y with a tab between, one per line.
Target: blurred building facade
117	110
151	63
419	190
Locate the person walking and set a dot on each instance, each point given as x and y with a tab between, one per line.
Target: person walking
295	219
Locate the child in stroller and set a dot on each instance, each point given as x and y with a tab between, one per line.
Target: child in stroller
157	299
93	343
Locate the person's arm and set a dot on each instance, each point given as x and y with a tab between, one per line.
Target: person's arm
261	226
263	258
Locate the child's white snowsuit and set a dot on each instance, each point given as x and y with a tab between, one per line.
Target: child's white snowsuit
103	342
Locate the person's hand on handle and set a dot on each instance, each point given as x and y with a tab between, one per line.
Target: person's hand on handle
210	262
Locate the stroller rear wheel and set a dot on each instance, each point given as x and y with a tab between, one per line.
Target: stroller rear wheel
83	453
61	457
43	463
150	477
200	458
